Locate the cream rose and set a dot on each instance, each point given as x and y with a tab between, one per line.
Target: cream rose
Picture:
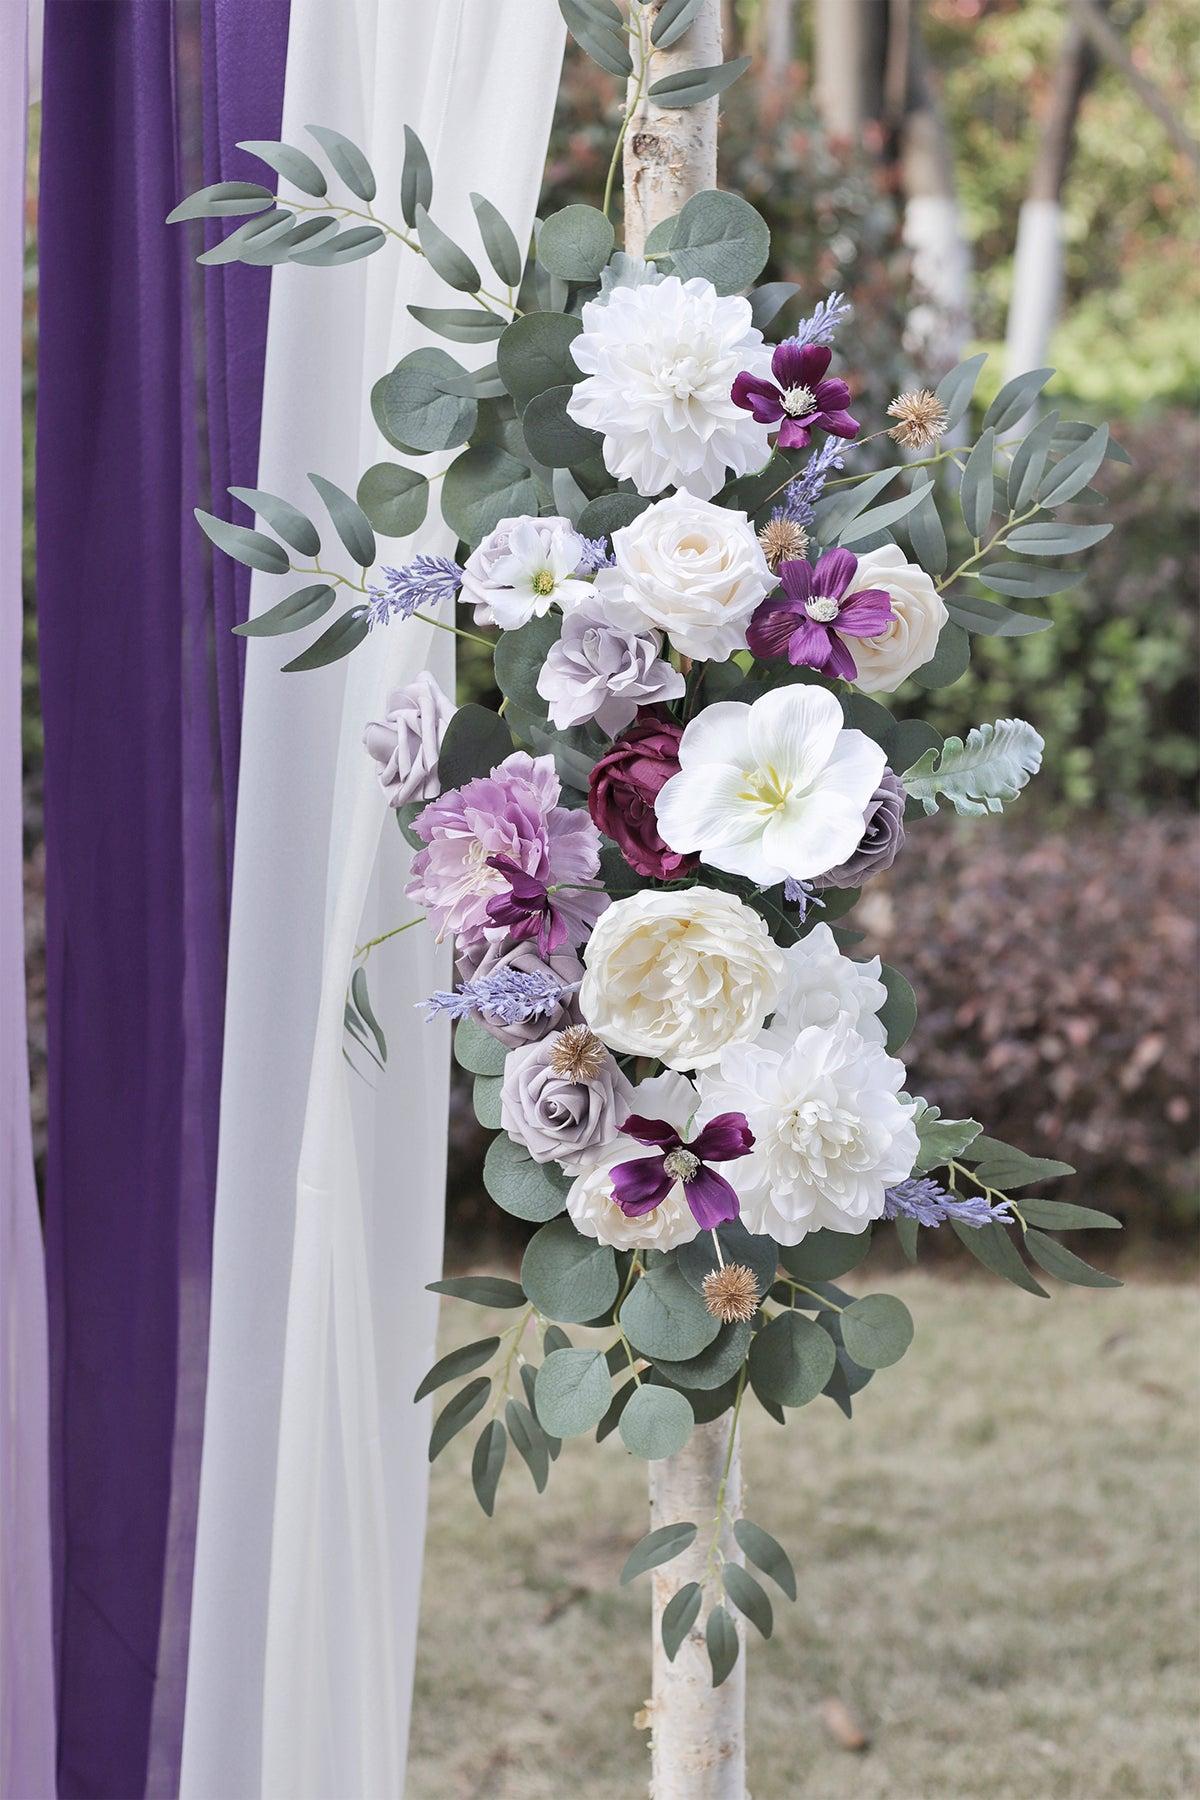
590	1201
679	975
909	640
691	569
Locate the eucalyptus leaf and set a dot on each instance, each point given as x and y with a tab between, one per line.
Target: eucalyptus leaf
656	1422
663	1315
347	160
604	43
530	1442
609	513
304	607
976	493
534	353
416	177
487	1464
719	236
771	1557
824	1255
1062	1263
721	1639
458	1413
361	999
791	1359
485	1098
674	18
394	499
1015	399
499	240
617	1404
661	1545
748	1596
987	617
881	518
713	1366
688	87
575	243
1051	538
552	435
1061	1215
679	1615
978	775
475	740
482	486
294	165
769	300
1026	581
949	661
955	389
993	1247
835	511
233	248
222	200
346	247
758	1253
457	1362
528	1190
877	1330
572	1391
1003	1167
461	324
350	521
569	1277
245	546
444	255
293	526
1072	432
1072	474
519	658
1028	464
414	406
481	1290
476	1050
927	535
898	1014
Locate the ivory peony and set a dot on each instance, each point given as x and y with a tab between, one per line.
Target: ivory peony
831	1134
660	363
691	569
775	789
590	1201
823	987
679	975
910	638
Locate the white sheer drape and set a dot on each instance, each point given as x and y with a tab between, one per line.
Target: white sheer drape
329	1200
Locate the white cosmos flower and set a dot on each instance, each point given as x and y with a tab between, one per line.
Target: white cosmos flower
660	363
770	790
590	1202
691	569
823	987
830	1132
528	572
678	975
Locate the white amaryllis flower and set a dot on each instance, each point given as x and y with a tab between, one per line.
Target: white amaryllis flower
823	987
679	975
910	637
775	789
830	1131
691	569
590	1202
660	363
523	568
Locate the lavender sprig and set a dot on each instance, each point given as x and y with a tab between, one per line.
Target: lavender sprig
596	555
822	324
426	581
801	495
801	894
926	1201
510	996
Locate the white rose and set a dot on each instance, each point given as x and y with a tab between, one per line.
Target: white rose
679	975
831	1134
823	987
590	1202
909	640
691	569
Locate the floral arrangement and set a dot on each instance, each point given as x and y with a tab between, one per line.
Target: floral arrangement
698	609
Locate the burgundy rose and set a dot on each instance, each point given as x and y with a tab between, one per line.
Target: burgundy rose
623	787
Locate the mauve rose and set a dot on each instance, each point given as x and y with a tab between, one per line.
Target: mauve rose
623	787
883	835
406	742
489	958
562	1100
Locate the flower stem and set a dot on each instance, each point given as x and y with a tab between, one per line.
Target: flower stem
644	55
812	1292
472	637
481	295
364	950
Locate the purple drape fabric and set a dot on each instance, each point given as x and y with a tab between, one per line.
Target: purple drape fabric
149	392
26	1668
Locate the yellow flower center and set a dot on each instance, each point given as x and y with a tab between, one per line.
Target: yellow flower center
543	582
766	788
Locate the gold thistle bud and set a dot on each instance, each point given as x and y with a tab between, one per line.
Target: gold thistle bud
782	541
921	419
731	1294
578	1055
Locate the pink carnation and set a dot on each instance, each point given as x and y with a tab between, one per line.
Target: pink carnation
513	812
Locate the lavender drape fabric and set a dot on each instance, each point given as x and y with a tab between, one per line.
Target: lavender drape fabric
137	421
26	1670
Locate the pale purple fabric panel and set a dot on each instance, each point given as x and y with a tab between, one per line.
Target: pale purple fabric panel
26	1666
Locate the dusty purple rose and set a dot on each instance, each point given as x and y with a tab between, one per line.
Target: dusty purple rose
484	958
799	398
598	670
883	836
564	1097
406	741
513	812
623	787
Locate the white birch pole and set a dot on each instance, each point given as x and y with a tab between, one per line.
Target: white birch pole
698	1741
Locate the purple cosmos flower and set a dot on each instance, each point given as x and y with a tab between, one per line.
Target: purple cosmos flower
641	1185
800	396
527	909
807	624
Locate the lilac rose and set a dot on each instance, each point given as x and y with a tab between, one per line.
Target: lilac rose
406	742
598	670
563	1098
883	836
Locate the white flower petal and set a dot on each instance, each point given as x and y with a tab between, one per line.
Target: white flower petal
794	729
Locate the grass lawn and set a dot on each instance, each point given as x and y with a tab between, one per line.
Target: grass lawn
998	1566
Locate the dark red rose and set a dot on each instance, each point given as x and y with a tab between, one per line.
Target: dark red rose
622	790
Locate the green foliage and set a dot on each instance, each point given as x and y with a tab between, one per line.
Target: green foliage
656	1422
980	774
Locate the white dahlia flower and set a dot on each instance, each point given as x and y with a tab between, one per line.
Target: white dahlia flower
679	975
775	789
910	637
830	1131
660	363
590	1202
691	569
823	987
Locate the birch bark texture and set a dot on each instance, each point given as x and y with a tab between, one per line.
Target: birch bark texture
698	1732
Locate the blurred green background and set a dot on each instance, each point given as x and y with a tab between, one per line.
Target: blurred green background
1054	950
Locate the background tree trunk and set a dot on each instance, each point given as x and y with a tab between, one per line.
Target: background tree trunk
697	1731
849	49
